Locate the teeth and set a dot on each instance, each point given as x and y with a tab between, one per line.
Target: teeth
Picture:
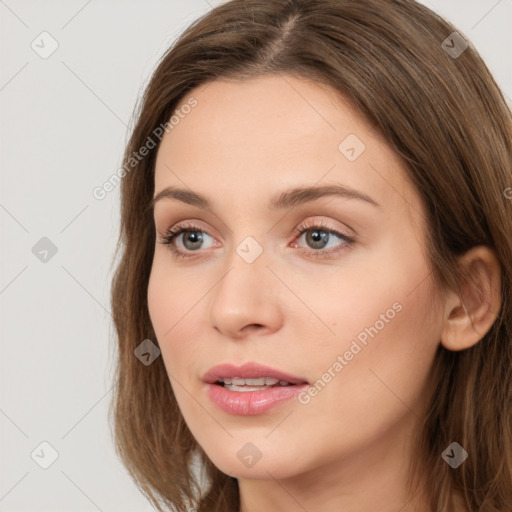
256	382
232	387
261	381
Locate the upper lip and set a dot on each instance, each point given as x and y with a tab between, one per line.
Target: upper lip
248	371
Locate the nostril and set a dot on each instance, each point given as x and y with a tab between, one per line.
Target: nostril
252	327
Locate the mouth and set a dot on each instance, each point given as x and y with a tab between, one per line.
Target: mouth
250	377
251	389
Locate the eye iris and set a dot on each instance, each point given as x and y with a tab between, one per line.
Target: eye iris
188	235
317	236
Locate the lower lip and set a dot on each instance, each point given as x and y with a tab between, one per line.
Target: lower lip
250	403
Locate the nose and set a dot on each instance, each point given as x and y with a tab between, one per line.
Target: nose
247	300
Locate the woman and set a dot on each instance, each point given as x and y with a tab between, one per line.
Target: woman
312	303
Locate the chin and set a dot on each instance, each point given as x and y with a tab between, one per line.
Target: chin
247	463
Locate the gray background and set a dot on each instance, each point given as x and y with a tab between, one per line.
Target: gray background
64	124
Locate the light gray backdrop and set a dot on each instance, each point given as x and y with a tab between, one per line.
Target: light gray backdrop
70	74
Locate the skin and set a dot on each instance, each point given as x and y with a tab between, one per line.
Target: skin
348	448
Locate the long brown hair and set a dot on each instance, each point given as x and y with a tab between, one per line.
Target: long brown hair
445	116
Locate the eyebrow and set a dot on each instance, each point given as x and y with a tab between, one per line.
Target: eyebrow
286	199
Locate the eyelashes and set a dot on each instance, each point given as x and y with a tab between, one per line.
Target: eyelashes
319	231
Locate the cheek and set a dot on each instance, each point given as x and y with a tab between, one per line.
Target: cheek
170	294
174	303
379	298
374	370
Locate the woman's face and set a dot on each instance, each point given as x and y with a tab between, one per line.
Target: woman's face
352	319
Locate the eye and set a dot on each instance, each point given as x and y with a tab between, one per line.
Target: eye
318	236
192	239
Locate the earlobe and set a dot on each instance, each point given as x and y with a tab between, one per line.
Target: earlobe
469	314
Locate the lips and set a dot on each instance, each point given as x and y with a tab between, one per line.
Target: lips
249	371
250	389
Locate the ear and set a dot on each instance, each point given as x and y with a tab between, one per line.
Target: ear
469	316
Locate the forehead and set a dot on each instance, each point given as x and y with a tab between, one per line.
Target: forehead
253	137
